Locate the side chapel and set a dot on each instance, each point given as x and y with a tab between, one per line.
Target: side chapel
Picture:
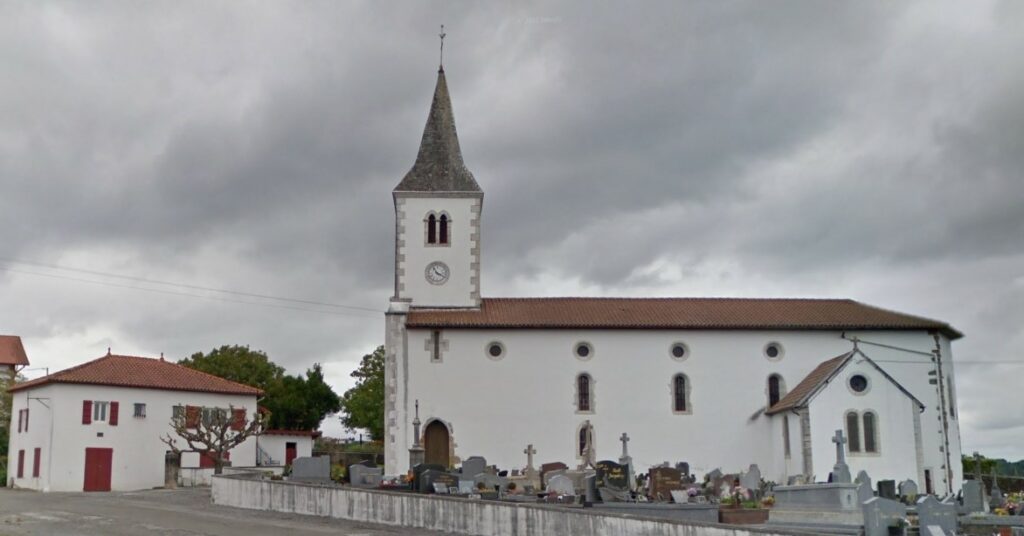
716	382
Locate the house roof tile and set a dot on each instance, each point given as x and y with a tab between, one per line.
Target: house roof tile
673	313
143	373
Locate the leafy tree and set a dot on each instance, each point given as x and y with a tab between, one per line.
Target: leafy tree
295	402
215	434
363	405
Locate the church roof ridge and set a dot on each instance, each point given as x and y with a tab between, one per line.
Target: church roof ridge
439	166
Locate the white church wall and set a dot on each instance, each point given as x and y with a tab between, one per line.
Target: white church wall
138	453
896	456
460	255
496	407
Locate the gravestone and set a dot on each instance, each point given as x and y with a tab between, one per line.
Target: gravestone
679	496
864	491
430	477
881	515
440	488
752	480
561	485
316	469
466	487
490	482
549	467
996	499
590	493
611	474
973	494
932	513
887	490
473	466
908	491
840	471
361	476
663	481
419	469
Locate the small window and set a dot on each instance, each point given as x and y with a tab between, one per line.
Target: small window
853	431
583	393
177	412
679	351
443	229
785	434
140	410
99	410
775	389
435	353
870	433
431	229
858	383
582	440
679	394
773	351
584	351
495	350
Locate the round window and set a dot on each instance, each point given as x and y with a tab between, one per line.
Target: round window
679	350
773	351
584	351
495	350
858	383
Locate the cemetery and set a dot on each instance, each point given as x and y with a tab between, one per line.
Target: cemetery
616	497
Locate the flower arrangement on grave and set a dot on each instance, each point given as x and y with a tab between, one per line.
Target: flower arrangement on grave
1014	503
768	501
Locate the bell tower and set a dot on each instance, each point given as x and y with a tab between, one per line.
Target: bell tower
437	218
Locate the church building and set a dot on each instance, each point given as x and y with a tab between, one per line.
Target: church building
715	382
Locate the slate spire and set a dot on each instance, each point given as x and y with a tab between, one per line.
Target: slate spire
439	166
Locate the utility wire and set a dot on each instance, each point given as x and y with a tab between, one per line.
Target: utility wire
185	294
185	285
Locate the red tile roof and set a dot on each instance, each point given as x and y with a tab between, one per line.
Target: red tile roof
143	373
11	351
803	390
673	313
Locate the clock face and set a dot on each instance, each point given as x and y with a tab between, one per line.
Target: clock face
437	273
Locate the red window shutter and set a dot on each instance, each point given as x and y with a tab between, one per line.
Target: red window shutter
26	419
227	456
21	464
87	412
192	416
35	462
238	420
21	417
113	413
205	460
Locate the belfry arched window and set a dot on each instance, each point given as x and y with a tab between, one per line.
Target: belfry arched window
775	389
853	431
431	229
443	230
584	393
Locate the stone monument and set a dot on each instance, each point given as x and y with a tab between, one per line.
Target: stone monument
840	471
416	450
626	461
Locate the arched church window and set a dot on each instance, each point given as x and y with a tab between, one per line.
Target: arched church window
680	396
443	230
776	389
582	445
853	431
583	393
431	229
870	432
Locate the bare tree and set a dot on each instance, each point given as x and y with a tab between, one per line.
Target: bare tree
213	432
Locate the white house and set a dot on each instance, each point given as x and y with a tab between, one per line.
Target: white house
702	380
97	426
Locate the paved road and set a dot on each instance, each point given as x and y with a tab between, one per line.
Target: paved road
184	512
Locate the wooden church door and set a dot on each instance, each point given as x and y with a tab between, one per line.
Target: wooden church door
436	444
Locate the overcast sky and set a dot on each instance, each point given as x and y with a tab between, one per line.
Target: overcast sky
787	149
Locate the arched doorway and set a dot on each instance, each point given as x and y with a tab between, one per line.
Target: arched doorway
436	443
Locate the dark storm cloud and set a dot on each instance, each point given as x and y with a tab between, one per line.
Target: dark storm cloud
869	150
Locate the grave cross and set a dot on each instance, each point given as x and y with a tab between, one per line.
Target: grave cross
529	452
625	439
839	440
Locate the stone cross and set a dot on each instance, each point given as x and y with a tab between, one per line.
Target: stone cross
529	452
839	440
416	426
625	439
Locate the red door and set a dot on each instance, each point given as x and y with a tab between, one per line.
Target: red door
290	452
98	464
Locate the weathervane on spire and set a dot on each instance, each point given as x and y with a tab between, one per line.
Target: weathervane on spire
441	60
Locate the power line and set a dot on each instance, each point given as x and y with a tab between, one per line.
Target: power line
185	294
182	285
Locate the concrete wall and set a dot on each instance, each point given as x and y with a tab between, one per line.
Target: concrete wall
460	516
495	408
138	454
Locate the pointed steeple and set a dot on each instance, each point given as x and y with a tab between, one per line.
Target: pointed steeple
439	166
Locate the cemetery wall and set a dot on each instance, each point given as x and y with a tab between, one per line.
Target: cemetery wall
494	407
460	516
